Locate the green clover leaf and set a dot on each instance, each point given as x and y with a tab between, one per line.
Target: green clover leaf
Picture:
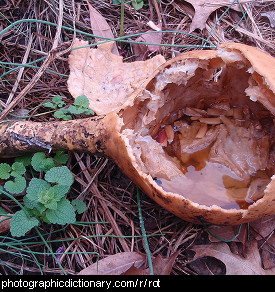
40	162
17	186
5	170
18	169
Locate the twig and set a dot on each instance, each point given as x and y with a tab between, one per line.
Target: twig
157	10
20	73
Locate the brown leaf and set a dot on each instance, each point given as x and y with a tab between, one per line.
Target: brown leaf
4	223
263	231
104	78
203	9
100	27
161	266
115	264
224	232
235	264
154	38
19	114
263	227
268	257
136	271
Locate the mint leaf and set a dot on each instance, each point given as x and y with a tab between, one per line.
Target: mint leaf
75	110
34	211
61	157
47	198
17	186
30	205
41	195
26	159
82	101
62	114
57	99
137	4
79	205
60	191
5	170
35	188
60	175
40	162
89	111
64	214
49	104
56	102
59	114
21	223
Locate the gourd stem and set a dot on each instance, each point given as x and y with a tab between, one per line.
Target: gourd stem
20	137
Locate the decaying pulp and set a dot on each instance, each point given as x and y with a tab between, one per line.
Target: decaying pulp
202	134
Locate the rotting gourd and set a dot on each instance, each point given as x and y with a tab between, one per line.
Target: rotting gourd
198	137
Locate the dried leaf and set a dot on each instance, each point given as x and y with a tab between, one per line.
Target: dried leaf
104	78
136	272
100	27
263	231
4	223
268	257
115	264
203	9
221	231
161	266
235	264
19	114
154	38
263	227
260	229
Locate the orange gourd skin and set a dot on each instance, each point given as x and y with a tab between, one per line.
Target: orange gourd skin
105	134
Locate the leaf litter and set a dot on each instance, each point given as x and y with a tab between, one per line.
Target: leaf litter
111	196
203	9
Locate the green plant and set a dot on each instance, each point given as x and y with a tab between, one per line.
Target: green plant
45	196
80	107
56	102
16	182
137	4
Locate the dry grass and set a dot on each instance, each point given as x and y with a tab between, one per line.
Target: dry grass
111	224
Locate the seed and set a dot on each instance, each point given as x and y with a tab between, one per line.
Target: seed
215	112
191	111
170	133
210	121
226	120
202	131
